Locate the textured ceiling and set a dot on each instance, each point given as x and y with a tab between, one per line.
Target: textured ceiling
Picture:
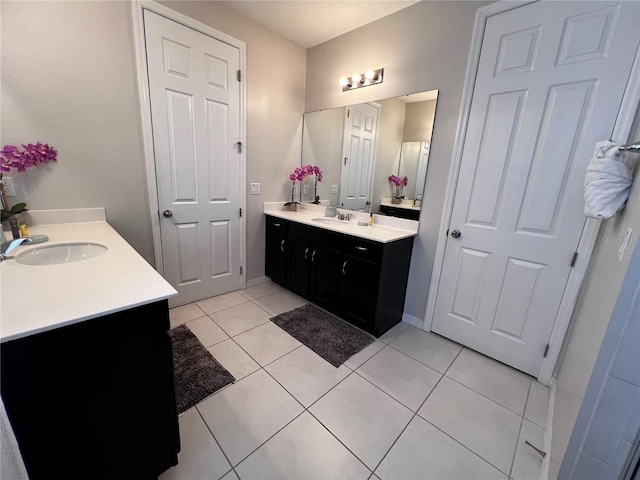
309	22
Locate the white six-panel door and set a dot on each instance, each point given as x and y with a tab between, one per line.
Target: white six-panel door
549	85
361	129
195	110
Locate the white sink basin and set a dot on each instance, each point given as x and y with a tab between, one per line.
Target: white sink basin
60	253
329	221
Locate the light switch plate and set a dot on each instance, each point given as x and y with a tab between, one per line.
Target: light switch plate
255	189
334	188
625	243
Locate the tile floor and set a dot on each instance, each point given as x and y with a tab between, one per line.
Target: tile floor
411	405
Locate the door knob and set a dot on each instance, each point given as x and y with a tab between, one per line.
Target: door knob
455	233
167	213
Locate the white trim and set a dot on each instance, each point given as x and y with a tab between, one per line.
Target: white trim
145	110
258	281
411	320
548	431
591	227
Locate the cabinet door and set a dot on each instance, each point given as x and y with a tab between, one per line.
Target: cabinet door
358	290
299	257
325	275
276	252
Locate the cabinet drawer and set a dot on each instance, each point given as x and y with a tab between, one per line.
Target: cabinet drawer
362	249
276	224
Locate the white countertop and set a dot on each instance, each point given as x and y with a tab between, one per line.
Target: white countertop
376	233
406	204
35	299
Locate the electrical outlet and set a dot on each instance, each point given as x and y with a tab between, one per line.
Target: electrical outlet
334	188
255	189
8	186
305	189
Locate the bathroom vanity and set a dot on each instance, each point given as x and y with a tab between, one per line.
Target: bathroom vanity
87	372
358	273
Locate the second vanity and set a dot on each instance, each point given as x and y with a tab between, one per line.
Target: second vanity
358	273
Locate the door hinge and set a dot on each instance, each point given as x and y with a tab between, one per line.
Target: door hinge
546	350
348	113
573	260
240	269
447	234
240	213
239	75
239	145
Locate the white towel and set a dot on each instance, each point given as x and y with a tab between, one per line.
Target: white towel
607	182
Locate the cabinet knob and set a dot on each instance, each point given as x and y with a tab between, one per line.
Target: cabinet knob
306	253
282	246
344	266
362	249
313	256
167	213
456	233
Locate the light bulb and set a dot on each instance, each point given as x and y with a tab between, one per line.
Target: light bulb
356	77
369	74
344	82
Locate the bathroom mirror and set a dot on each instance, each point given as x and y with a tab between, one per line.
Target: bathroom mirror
359	146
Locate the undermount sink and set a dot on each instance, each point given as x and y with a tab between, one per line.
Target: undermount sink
329	221
60	253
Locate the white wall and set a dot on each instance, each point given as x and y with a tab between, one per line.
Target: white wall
591	317
423	47
69	78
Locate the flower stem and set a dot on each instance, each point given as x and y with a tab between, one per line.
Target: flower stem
5	202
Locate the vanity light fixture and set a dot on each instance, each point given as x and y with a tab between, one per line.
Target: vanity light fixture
357	80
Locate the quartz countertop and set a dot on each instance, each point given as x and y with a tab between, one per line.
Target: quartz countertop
376	233
39	298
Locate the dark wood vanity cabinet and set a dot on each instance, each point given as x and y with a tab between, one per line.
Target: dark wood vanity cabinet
400	212
361	281
95	399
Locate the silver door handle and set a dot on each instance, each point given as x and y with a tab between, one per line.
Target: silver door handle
313	256
456	233
276	224
362	249
167	213
306	252
282	246
344	266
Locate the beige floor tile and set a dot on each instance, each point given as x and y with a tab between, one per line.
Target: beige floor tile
304	449
221	302
433	350
261	290
244	415
280	302
207	331
492	379
184	313
528	462
306	375
200	456
239	319
537	404
233	358
266	343
423	451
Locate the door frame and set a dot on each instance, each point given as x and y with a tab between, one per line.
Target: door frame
138	7
591	228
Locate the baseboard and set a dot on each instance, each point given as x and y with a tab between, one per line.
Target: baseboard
413	321
257	281
546	446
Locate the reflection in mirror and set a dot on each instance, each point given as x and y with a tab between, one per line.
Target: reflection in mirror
359	146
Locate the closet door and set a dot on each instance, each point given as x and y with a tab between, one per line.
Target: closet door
550	82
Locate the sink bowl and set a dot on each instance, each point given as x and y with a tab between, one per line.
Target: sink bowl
60	253
329	221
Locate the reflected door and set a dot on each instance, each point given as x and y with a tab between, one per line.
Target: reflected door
195	107
550	82
358	156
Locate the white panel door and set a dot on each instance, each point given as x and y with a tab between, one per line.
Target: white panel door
550	81
195	110
356	180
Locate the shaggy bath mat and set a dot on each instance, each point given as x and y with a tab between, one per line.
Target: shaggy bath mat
197	374
331	338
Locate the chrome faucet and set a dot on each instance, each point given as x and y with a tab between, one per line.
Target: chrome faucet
344	216
6	247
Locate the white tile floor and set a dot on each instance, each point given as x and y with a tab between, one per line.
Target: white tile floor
411	405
